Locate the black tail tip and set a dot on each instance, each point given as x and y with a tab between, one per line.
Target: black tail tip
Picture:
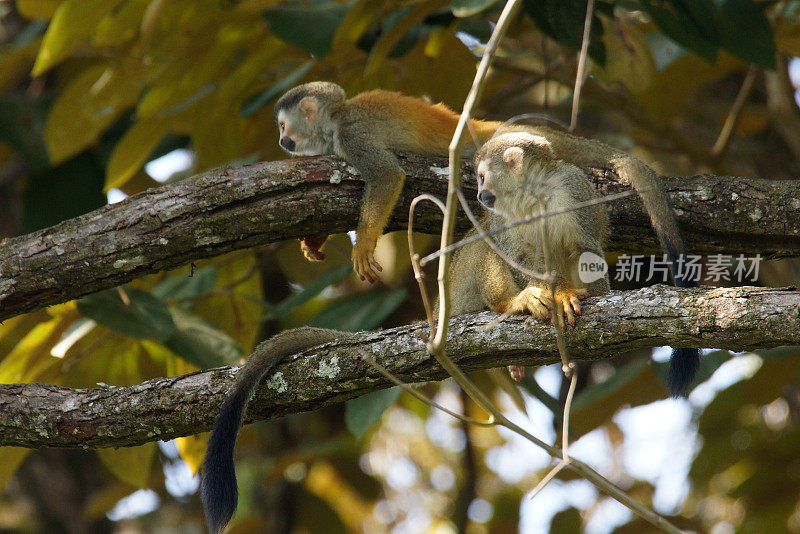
220	497
682	371
218	484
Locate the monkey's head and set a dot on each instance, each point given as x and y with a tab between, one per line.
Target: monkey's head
508	168
303	115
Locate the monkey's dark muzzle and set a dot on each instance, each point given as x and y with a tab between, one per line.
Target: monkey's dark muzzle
486	198
288	143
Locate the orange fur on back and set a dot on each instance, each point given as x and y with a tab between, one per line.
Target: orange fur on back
424	127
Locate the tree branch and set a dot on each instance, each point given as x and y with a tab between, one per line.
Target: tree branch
228	209
745	318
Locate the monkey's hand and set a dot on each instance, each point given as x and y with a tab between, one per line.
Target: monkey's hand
537	299
533	299
311	247
364	260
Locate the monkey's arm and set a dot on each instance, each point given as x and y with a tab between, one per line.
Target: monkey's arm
219	491
383	182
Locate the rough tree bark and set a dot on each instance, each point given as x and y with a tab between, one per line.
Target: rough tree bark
745	318
233	208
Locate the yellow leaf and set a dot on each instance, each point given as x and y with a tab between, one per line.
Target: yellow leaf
102	356
256	6
324	481
787	37
105	499
389	40
172	364
73	23
88	105
10	459
233	314
421	70
672	87
34	348
194	75
14	329
356	21
247	73
122	25
130	464
629	61
133	150
15	63
217	133
192	449
37	9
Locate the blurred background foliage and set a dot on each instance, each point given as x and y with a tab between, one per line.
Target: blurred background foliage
100	99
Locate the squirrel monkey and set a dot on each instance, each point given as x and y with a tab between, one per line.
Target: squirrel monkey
316	118
520	176
522	173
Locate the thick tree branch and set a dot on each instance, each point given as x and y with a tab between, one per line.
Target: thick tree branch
228	209
41	415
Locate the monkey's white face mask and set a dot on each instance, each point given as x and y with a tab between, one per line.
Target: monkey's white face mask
302	129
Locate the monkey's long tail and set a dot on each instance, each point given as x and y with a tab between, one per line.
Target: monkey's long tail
218	489
684	362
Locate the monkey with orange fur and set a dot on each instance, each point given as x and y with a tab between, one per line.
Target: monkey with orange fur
316	118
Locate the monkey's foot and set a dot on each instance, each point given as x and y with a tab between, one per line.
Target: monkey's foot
517	372
364	262
311	247
568	303
538	301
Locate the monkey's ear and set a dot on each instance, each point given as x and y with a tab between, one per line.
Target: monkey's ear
310	108
513	157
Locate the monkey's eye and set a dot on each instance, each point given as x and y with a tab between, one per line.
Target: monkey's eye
282	125
481	177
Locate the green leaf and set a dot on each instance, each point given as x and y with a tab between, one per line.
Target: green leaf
254	103
564	21
532	386
709	363
200	343
10	459
329	277
622	376
467	8
21	126
307	25
146	316
130	464
362	311
746	32
181	286
778	353
692	24
73	188
363	412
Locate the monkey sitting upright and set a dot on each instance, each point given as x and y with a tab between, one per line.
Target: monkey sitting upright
315	118
519	175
